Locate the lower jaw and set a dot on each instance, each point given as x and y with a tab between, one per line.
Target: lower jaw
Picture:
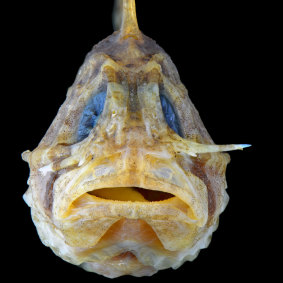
138	252
133	246
147	260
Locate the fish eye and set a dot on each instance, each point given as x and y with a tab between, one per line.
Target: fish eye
90	115
170	115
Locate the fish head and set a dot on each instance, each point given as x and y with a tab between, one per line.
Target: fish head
127	180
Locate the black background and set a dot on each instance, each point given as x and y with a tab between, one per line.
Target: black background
219	51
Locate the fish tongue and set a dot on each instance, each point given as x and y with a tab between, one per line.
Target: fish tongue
122	194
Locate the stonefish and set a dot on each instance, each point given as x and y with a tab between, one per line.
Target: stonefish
127	180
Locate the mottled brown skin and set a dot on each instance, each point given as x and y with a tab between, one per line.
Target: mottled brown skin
131	146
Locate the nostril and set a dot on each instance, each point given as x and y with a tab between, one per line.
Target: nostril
131	194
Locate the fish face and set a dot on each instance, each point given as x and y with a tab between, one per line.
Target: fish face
127	180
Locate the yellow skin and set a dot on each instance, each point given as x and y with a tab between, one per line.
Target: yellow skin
83	195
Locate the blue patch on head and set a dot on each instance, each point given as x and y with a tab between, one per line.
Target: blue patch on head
169	114
90	115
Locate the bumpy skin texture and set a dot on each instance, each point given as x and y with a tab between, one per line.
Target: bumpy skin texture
130	146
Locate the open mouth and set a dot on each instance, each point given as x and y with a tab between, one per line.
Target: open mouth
109	204
125	196
131	202
131	194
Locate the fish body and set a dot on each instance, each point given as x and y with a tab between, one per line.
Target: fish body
127	179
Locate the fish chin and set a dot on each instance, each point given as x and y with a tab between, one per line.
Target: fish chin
124	264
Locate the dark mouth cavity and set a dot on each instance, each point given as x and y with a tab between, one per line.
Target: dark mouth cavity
130	194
